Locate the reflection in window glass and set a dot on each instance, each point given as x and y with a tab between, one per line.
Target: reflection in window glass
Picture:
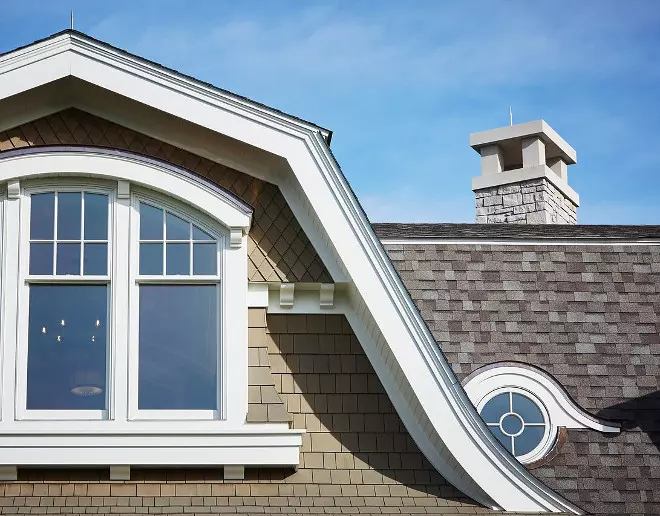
178	347
67	347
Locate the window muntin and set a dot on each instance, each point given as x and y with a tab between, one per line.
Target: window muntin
69	233
518	420
174	245
65	360
178	287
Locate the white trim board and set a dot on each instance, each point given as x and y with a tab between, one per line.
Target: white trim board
514	241
342	233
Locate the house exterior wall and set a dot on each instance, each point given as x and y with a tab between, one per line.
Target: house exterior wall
589	315
356	457
278	249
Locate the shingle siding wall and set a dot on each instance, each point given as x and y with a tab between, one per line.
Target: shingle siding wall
589	316
356	458
278	249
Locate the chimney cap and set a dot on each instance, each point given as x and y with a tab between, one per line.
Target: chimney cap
555	145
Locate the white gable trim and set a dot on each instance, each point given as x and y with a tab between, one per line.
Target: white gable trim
467	452
34	162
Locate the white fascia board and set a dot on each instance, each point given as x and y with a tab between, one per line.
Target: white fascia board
449	410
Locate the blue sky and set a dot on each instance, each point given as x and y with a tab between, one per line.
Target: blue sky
402	84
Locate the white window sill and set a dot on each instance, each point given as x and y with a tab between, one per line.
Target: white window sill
147	444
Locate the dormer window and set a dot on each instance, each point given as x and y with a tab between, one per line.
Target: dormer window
118	344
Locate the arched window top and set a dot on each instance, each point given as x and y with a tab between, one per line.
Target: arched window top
33	162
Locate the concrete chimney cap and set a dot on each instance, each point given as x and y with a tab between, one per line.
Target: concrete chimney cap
555	145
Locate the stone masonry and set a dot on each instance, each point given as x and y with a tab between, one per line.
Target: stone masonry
536	201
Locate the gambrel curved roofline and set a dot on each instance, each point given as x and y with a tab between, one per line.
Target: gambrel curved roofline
414	372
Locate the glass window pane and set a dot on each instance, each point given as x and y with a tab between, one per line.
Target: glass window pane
96	216
501	437
68	259
151	259
96	259
527	409
205	258
198	234
495	408
178	347
511	424
68	215
178	259
176	228
530	438
67	341
42	216
151	222
41	258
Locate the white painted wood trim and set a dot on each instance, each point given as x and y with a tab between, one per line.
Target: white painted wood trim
515	241
90	162
346	234
562	410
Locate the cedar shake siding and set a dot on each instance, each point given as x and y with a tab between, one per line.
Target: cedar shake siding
586	314
278	249
356	458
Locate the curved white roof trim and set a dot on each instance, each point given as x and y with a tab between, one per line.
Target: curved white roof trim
562	409
33	162
451	420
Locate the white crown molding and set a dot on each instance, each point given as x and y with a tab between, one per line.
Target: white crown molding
458	444
563	411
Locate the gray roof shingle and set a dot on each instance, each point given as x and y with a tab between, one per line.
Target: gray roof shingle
587	314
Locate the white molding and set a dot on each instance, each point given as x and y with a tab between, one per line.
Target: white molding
515	241
42	162
235	238
562	410
287	293
13	189
271	449
123	190
327	295
257	296
451	423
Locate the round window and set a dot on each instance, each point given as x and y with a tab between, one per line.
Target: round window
519	421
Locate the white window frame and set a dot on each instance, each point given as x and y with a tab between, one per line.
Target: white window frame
118	439
549	437
26	280
558	408
135	279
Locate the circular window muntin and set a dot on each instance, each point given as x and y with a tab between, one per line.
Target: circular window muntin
550	434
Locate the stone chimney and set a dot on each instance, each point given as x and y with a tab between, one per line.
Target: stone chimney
524	175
